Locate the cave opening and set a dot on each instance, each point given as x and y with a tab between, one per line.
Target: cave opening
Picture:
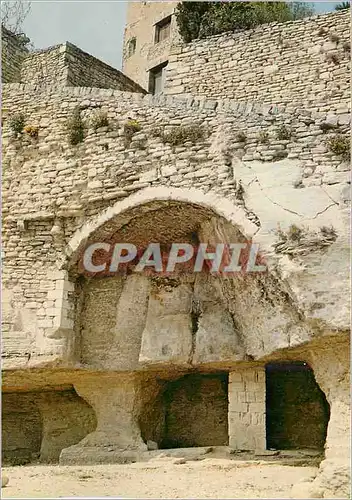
38	425
196	408
297	412
191	411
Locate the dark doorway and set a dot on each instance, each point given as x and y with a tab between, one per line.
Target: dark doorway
21	429
196	408
297	412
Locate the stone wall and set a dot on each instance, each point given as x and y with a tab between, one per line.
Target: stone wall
13	53
196	412
85	70
247	409
171	169
52	189
60	65
303	61
45	67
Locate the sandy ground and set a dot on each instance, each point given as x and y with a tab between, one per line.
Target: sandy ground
162	478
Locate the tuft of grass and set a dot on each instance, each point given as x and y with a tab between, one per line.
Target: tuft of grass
157	131
17	123
328	232
333	57
334	37
295	233
130	128
283	133
241	137
75	127
322	31
264	137
346	46
99	119
340	146
182	134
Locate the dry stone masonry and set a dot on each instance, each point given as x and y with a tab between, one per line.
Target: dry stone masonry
106	365
300	61
64	65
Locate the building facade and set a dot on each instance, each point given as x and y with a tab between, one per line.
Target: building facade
150	31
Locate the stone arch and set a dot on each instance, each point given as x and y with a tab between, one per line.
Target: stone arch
123	212
265	315
221	206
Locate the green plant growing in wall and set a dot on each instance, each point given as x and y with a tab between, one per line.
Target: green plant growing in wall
182	134
334	37
17	123
263	137
340	146
283	133
333	57
130	128
157	131
294	233
99	120
75	127
241	137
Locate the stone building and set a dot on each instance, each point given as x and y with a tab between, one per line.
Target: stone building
97	365
149	34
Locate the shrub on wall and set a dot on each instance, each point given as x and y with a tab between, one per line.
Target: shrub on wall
264	137
297	241
283	133
130	128
202	19
75	128
343	6
180	135
340	146
16	123
99	119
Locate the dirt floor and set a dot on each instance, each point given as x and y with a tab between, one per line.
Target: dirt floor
159	478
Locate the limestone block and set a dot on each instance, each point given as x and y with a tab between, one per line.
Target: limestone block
130	323
216	337
167	337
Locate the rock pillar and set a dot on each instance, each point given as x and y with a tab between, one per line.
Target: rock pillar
116	401
331	368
